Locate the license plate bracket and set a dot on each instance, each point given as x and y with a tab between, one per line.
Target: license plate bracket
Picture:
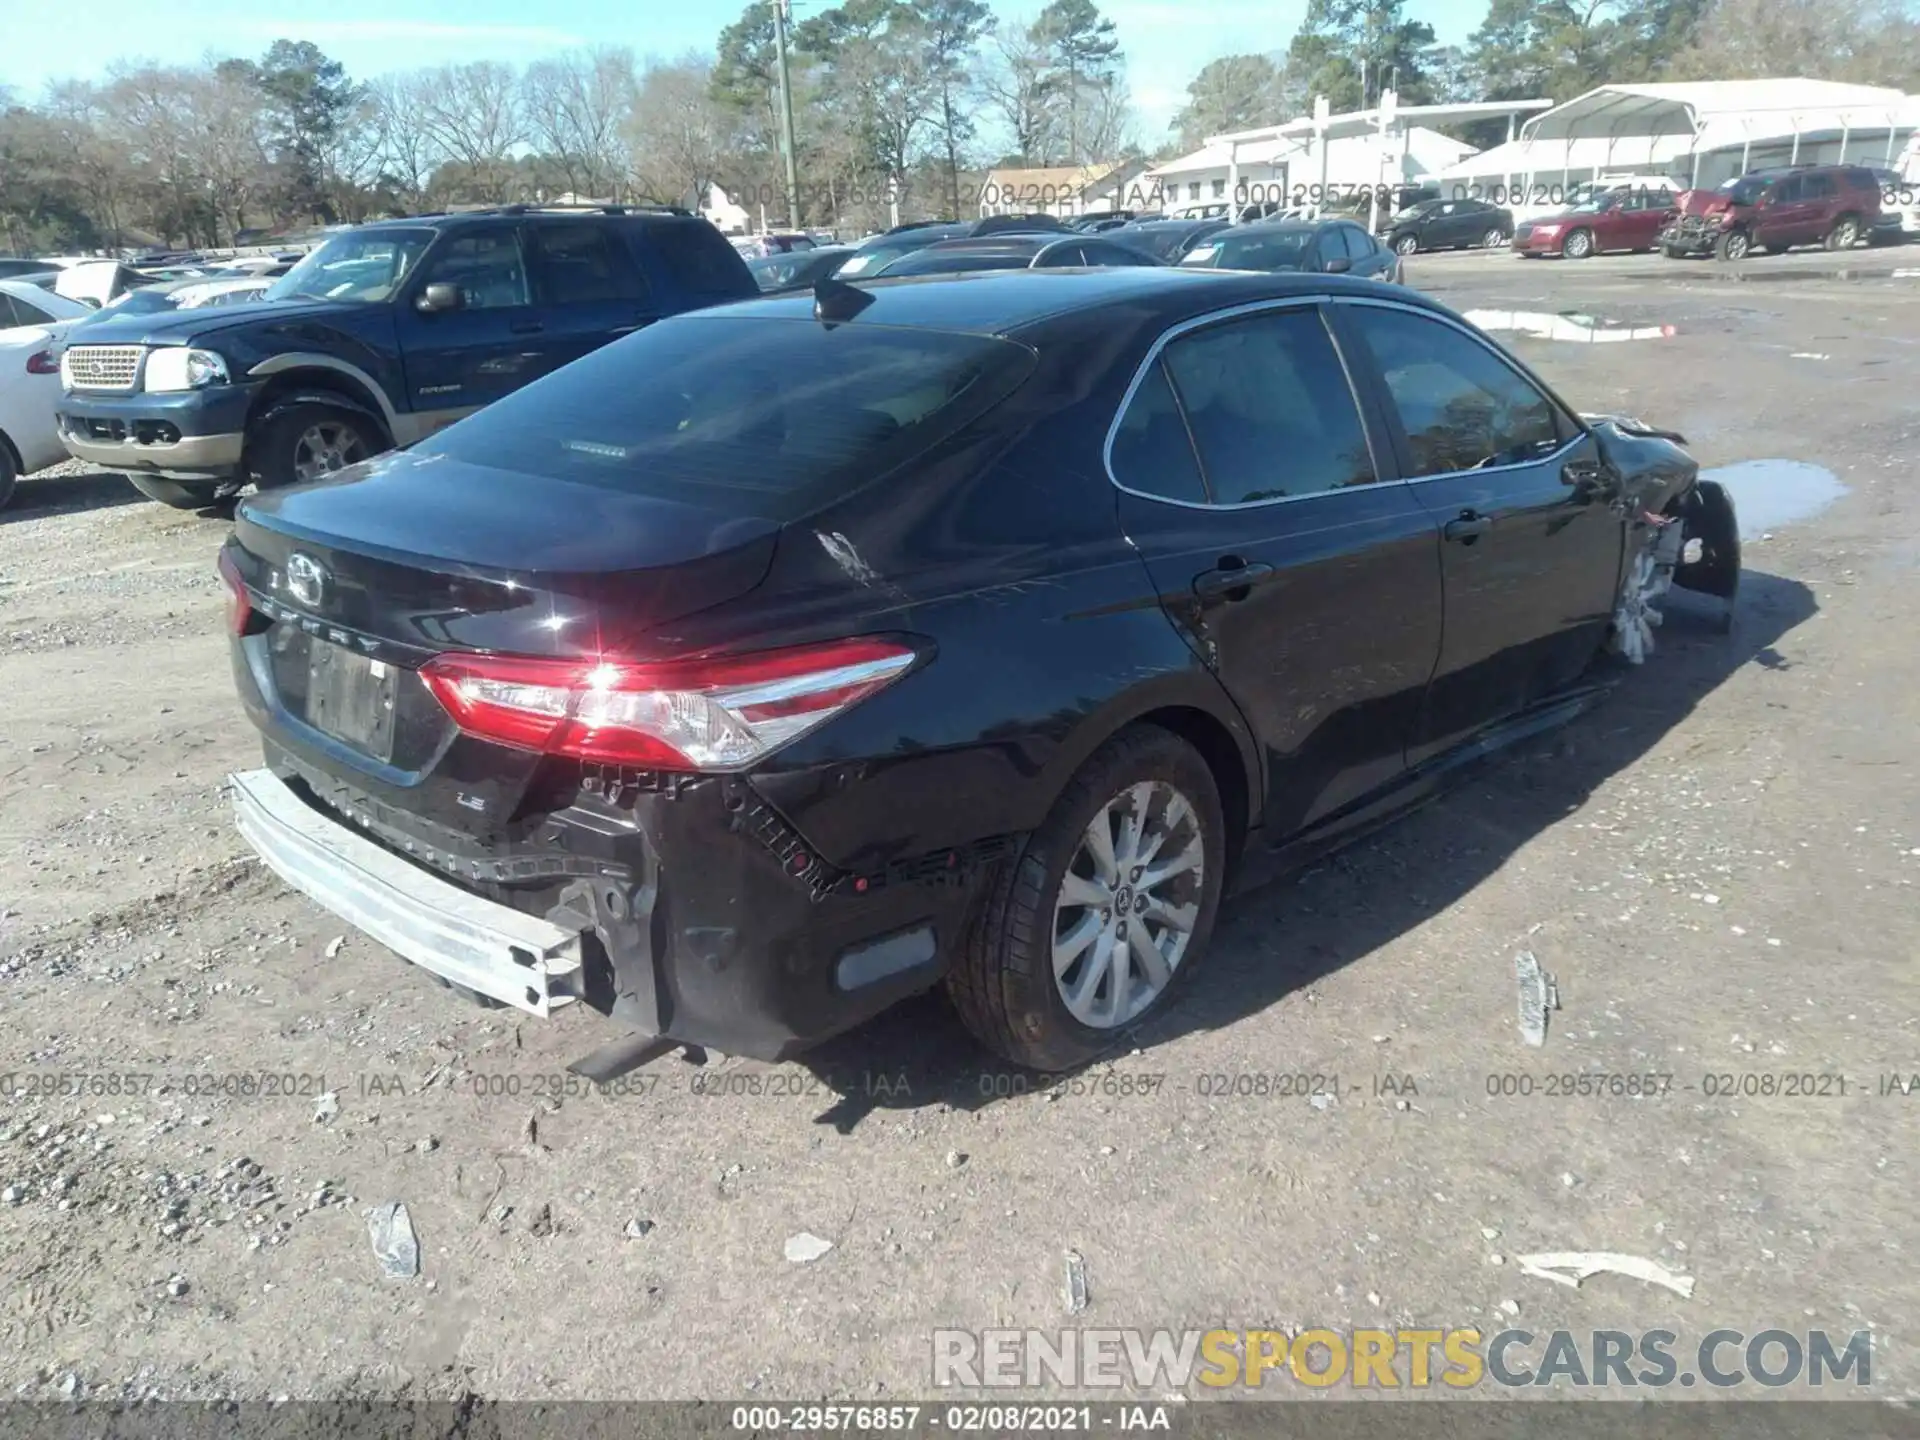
350	696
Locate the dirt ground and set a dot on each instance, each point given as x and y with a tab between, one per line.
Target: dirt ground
1718	865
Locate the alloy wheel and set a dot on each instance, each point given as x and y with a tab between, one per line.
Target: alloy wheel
1638	610
325	447
1845	235
1579	245
1128	904
1493	239
1406	245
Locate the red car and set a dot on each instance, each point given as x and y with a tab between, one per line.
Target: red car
1630	217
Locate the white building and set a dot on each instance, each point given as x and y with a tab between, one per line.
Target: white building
727	217
1277	167
1698	133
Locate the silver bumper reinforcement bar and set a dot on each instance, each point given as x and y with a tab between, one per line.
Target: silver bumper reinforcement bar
518	959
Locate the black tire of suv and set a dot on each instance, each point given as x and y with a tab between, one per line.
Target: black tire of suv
9	472
1586	249
270	447
1671	252
1002	981
182	495
1732	245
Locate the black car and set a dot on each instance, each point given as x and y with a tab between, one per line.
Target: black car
382	335
800	270
1167	240
1449	225
1322	247
791	657
1015	252
874	255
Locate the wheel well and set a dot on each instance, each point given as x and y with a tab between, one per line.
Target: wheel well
320	382
1218	748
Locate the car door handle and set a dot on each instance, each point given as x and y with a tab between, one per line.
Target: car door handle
1467	529
527	327
1231	579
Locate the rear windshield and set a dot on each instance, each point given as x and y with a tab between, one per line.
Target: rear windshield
933	261
1264	250
748	415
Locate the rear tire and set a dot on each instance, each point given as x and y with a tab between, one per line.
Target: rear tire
310	441
1008	985
1845	233
1493	239
1407	245
184	495
9	472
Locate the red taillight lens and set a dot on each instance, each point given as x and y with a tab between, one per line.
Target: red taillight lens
239	604
717	713
43	362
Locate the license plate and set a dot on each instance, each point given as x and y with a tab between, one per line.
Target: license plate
350	696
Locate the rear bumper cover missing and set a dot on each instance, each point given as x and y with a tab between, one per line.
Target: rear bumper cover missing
515	958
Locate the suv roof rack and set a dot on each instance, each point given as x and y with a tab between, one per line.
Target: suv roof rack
584	209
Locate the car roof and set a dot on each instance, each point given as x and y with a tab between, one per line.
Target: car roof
1008	302
1011	241
525	212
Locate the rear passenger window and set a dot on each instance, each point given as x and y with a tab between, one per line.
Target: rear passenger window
1359	243
1270	408
582	264
1460	404
1151	452
1817	187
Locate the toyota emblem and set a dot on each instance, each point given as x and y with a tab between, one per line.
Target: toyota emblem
307	580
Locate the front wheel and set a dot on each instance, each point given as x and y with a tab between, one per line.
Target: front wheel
1106	910
309	441
1733	245
1407	245
1578	245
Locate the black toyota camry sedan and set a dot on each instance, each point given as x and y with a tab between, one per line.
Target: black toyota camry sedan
785	659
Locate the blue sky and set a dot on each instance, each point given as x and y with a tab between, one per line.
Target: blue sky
1165	41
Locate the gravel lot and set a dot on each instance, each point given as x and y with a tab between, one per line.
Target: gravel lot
1718	865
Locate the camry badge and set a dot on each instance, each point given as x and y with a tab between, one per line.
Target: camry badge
307	580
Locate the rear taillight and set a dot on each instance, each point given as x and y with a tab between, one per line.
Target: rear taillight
43	362
239	603
718	713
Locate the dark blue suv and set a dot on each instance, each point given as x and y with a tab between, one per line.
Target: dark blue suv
381	336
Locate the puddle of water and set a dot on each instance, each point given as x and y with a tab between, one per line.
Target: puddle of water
1570	326
1770	493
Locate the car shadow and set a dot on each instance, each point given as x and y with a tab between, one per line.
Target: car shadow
918	1054
48	495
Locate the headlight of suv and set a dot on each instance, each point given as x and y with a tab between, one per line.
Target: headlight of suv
178	368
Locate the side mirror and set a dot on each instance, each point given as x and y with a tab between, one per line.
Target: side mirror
1338	267
438	297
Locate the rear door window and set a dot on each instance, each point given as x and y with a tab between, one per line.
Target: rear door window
1152	453
1359	244
582	264
1270	409
751	415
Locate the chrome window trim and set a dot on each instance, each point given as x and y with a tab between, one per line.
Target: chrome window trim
1215	317
1475	337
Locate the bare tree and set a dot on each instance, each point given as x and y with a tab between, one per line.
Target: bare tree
222	141
1107	120
678	134
577	108
1016	87
472	114
1873	42
408	152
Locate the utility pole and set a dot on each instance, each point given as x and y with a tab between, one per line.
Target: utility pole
786	114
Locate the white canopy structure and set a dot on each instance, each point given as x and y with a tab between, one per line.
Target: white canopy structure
1700	132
